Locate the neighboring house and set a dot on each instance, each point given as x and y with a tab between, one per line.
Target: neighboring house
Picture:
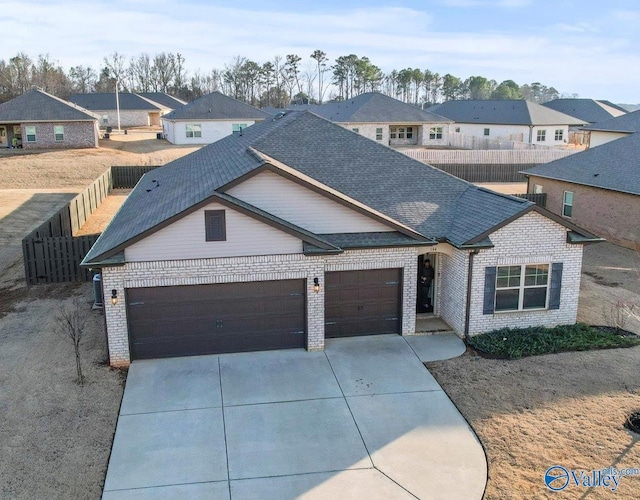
588	110
613	128
38	120
386	120
508	120
128	110
598	189
299	230
163	100
209	119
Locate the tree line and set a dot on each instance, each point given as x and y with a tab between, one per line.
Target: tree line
277	83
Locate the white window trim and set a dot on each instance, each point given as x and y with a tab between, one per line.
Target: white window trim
435	133
55	134
237	127
565	204
559	134
195	134
541	135
521	288
26	133
486	132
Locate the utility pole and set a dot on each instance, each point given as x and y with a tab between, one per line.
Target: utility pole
117	105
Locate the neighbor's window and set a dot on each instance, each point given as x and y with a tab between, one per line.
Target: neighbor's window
537	189
559	134
457	129
105	119
541	135
401	132
487	131
58	132
237	127
194	130
567	203
435	133
215	225
522	287
356	130
378	134
30	133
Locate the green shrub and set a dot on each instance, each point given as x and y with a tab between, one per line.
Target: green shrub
514	343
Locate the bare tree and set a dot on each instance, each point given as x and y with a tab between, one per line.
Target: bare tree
115	66
71	322
83	79
321	61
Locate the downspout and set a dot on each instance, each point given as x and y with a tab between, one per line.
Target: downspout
467	315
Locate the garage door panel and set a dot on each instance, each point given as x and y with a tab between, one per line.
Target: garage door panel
210	319
363	302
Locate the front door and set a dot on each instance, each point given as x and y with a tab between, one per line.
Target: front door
3	137
427	283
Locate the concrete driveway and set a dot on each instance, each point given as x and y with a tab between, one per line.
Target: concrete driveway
363	419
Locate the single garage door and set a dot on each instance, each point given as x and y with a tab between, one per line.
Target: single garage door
214	319
363	302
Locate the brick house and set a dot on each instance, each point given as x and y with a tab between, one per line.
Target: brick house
508	120
127	110
209	119
300	230
598	189
38	120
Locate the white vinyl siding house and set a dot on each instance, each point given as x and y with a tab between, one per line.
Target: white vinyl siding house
303	207
200	132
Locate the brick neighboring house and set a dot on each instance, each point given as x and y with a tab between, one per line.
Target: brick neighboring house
385	120
508	120
299	230
134	110
209	119
38	120
613	128
598	189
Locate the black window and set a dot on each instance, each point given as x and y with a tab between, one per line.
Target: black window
215	225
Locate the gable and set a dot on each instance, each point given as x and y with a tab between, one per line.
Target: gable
303	207
186	239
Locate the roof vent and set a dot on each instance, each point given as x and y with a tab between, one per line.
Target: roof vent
279	115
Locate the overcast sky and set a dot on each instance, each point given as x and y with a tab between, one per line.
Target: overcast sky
588	47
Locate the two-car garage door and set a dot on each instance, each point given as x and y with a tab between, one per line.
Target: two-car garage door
213	319
238	317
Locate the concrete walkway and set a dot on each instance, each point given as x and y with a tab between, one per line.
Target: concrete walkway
363	419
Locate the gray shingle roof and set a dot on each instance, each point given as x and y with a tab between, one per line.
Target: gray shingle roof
614	165
217	106
433	203
107	101
38	106
374	107
589	110
629	123
503	112
166	100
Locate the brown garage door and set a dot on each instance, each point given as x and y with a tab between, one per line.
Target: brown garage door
214	319
363	302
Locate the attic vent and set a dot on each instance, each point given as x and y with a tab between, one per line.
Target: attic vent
279	115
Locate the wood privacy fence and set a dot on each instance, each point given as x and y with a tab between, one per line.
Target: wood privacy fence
51	252
537	198
486	166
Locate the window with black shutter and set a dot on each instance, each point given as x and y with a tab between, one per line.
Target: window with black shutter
215	226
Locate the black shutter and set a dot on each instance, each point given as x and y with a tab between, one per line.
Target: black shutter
489	290
215	227
556	285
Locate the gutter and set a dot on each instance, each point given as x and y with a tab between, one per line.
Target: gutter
467	314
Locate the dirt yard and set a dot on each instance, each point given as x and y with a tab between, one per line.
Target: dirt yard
55	436
77	168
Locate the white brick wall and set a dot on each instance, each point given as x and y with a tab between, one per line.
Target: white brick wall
453	285
253	268
420	138
530	239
